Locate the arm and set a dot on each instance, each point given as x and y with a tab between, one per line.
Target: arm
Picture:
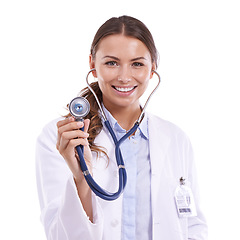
70	136
62	212
197	227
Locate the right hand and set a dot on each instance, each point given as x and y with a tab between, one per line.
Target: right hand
70	136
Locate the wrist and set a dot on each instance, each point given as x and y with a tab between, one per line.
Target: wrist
85	196
81	184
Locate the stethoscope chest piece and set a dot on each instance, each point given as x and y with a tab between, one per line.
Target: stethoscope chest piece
79	107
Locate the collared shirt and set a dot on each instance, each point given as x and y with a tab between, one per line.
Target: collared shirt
136	211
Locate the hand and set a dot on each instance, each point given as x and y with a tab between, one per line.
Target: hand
70	136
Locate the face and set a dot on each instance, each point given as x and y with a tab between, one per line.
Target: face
123	68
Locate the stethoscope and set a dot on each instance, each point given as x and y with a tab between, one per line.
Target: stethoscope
79	107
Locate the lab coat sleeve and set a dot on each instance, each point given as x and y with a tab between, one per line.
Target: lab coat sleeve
197	227
62	213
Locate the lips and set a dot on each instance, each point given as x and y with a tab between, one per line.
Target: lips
124	89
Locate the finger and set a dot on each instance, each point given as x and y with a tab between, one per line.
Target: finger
72	144
74	134
65	121
69	148
61	124
75	125
67	136
86	125
66	126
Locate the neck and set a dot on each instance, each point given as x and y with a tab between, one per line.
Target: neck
126	116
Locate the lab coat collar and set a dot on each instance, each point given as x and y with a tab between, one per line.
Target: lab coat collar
143	127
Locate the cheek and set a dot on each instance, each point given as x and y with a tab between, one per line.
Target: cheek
106	75
142	76
104	81
144	86
102	85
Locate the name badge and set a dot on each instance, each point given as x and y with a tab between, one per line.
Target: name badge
184	200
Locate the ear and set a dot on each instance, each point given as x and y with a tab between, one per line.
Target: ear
92	65
153	69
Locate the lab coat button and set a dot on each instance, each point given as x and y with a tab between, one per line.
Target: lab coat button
114	223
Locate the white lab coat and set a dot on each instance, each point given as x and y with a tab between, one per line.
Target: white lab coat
62	213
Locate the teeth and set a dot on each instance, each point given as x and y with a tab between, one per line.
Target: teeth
124	89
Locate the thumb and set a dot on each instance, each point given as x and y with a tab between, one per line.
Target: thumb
86	125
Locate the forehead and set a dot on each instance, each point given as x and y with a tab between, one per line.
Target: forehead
122	46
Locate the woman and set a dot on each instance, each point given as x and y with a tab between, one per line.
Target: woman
156	156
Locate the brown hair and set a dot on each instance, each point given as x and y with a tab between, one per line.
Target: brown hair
128	26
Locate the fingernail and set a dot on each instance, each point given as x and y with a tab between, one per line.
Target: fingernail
71	119
80	124
86	134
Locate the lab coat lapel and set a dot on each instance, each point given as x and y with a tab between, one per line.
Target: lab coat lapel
158	145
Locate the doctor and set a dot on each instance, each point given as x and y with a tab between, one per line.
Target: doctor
156	156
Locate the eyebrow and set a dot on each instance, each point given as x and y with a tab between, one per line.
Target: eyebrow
108	56
134	59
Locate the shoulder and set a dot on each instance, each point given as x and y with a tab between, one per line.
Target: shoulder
163	125
49	131
160	128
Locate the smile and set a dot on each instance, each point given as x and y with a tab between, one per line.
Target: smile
124	89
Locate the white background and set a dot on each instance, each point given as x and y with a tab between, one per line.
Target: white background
44	47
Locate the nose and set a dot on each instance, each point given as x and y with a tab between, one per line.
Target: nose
124	74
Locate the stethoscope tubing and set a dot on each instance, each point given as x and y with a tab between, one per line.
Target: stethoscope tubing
122	171
100	192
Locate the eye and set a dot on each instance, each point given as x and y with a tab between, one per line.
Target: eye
111	63
138	64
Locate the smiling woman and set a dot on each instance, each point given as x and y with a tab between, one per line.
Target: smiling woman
123	74
160	200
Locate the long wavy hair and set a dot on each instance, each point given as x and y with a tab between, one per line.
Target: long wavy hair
128	26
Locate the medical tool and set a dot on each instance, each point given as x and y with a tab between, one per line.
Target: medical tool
79	108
